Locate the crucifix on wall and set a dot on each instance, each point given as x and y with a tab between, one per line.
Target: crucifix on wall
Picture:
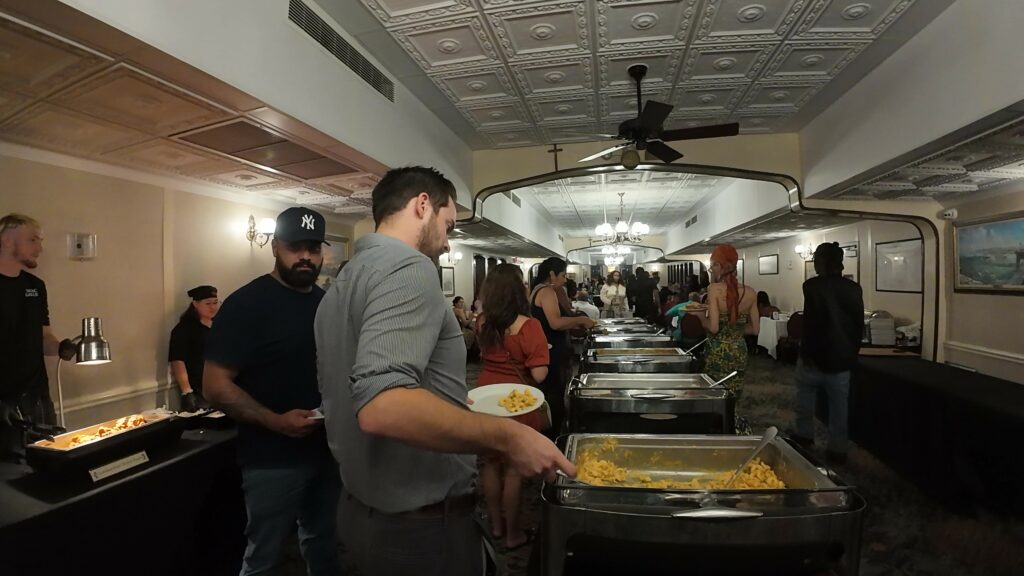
555	150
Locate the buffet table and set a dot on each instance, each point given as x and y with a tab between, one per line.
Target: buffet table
954	433
180	513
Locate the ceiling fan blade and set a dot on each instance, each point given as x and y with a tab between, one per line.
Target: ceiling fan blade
597	155
713	131
663	152
653	116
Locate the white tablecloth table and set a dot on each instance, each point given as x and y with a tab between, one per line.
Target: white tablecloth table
771	331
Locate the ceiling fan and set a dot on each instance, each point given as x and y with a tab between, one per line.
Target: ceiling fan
645	132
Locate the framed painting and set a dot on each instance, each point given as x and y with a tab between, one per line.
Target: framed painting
989	255
448	280
899	266
809	270
335	256
768	265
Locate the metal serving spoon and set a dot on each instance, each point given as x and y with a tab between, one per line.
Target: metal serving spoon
769	435
719	383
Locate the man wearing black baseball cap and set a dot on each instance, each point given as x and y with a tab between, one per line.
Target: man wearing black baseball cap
261	370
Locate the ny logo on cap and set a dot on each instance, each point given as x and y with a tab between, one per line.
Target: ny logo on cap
307	222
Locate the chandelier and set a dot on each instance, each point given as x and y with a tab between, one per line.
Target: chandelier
614	254
623	230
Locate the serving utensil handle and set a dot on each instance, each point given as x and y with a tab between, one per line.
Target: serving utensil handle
717	513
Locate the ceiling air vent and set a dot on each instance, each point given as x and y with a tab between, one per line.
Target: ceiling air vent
325	36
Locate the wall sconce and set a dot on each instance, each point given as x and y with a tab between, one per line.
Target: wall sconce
454	258
804	251
260	235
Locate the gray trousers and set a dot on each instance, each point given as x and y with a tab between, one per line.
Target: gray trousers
395	545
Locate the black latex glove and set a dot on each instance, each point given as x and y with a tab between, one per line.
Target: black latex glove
66	350
191	402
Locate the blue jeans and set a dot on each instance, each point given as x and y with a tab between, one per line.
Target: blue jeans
279	499
809	380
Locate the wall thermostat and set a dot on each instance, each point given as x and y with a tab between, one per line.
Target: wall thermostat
81	246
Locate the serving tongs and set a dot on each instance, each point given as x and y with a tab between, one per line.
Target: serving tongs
36	432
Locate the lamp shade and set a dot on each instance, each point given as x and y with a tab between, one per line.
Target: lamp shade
621	227
93	348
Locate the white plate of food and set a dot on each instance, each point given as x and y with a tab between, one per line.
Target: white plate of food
505	399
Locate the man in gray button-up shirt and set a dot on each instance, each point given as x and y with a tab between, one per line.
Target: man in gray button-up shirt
392	370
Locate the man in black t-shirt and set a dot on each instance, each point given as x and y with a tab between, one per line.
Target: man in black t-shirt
833	325
261	370
25	335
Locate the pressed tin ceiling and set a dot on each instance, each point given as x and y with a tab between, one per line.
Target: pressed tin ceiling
576	205
529	72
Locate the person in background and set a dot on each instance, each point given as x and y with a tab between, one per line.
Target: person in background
188	343
764	305
467	321
514	349
392	371
556	321
656	278
582	304
25	335
833	322
613	294
645	296
677	311
668	300
731	308
261	370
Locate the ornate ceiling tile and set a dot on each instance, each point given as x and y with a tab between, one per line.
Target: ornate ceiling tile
623	105
547	30
725	63
755	122
812	60
496	115
249	178
661	69
524	136
734	21
130	98
568	75
827	19
575	132
169	156
709	98
578	108
35	64
779	96
55	128
631	24
449	44
401	12
347	184
473	85
11	102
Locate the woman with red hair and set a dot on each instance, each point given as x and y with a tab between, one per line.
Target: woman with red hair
732	313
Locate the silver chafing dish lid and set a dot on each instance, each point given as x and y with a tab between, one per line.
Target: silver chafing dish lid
620	321
655	381
637	355
631	338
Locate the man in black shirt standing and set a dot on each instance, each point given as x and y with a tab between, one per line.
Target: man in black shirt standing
833	327
25	335
261	370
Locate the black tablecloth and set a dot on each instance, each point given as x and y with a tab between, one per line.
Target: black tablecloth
181	513
954	433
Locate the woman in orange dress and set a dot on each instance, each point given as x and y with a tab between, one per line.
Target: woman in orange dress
514	350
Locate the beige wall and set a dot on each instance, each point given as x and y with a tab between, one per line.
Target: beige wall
778	153
785	290
154	243
984	329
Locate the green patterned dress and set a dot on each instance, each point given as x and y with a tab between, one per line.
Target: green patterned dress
727	351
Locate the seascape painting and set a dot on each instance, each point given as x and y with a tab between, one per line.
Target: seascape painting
990	256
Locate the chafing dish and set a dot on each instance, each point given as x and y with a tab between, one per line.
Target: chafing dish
811	526
650	404
631	341
625	329
620	321
61	455
638	360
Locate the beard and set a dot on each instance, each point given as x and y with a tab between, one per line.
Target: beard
301	275
430	242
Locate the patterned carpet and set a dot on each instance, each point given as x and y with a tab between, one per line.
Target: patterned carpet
905	532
